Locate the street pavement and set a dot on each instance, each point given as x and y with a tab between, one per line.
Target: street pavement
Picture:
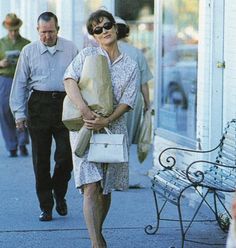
124	227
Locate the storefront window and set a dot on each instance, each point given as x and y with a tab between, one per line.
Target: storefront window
178	88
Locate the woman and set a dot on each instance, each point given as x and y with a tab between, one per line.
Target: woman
142	100
96	181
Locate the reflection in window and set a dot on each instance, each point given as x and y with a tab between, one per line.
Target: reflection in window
177	105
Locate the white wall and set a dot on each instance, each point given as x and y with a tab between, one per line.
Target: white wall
229	104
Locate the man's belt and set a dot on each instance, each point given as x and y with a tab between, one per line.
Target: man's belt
53	94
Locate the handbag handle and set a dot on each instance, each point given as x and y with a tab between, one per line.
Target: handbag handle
108	131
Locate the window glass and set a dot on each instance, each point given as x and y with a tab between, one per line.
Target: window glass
178	88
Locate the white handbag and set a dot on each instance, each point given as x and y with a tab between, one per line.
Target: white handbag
108	148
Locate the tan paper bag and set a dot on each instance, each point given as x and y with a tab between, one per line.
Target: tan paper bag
96	89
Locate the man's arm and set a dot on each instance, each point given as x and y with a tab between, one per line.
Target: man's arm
19	91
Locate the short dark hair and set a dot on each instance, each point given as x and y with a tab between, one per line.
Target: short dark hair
97	17
47	16
123	31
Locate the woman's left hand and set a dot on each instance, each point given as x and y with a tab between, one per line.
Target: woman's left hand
98	123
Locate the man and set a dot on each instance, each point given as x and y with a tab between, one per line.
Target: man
10	47
40	72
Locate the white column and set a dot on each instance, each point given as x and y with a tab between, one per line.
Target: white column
65	18
79	20
4	9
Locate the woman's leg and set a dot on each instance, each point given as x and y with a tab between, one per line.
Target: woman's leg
96	207
106	202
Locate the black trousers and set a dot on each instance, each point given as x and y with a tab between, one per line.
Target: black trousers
44	122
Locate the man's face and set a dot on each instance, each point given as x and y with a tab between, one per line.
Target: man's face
13	34
48	32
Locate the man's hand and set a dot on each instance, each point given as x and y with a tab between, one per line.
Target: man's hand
21	124
4	63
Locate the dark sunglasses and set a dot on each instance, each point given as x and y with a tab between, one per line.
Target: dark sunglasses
107	26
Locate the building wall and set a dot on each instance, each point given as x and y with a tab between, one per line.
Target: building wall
229	88
216	92
229	103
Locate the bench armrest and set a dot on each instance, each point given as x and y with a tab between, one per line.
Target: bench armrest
196	176
170	161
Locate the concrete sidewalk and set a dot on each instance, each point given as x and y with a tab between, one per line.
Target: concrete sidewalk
130	212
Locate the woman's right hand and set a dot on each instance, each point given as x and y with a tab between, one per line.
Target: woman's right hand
87	114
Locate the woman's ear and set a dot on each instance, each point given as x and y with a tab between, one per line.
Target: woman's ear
116	28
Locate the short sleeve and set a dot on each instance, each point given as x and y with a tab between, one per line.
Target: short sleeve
74	69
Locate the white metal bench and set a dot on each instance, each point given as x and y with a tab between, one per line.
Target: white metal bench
204	177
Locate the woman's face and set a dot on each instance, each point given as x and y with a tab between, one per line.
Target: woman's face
105	32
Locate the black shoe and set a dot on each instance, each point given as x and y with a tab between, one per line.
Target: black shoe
23	151
61	207
45	216
13	153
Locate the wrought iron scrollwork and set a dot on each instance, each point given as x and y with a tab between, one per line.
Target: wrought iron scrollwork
169	162
197	177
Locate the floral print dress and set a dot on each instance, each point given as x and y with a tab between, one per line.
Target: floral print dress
124	73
